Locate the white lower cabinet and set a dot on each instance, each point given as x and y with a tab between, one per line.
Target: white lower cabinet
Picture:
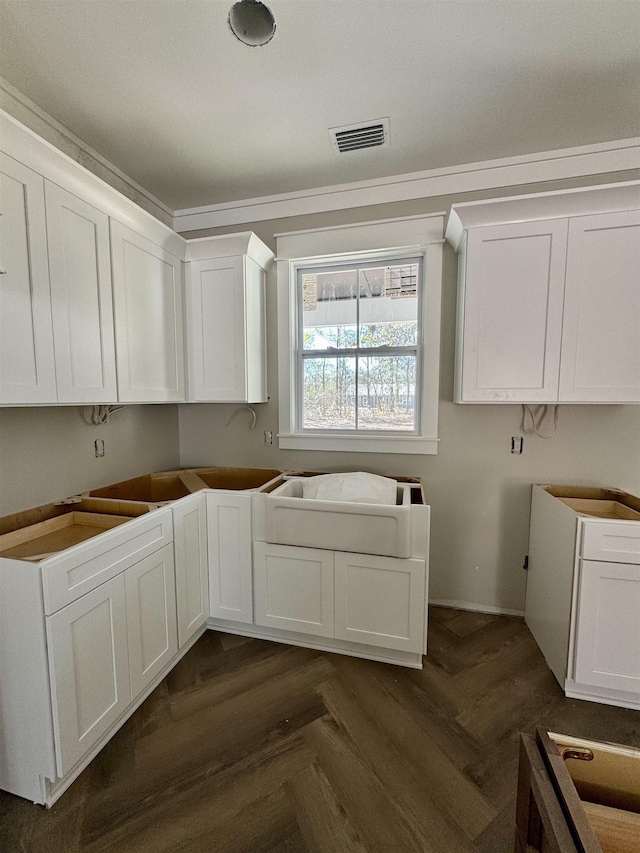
89	666
192	569
294	588
380	601
105	648
607	653
230	576
360	598
151	617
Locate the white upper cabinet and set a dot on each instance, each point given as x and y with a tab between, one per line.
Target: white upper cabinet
549	297
80	274
514	287
225	318
601	332
27	367
147	294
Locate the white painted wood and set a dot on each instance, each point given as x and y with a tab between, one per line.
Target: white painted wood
613	541
580	201
294	588
47	160
147	292
608	634
413	660
513	312
380	600
192	566
601	330
27	367
226	341
228	246
548	609
82	309
230	563
77	570
89	669
580	161
26	745
152	631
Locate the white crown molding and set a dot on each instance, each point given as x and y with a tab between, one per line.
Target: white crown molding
15	96
600	158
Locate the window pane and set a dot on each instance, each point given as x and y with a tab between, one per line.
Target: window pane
386	392
329	309
389	305
329	393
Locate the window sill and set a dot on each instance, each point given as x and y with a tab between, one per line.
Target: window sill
359	443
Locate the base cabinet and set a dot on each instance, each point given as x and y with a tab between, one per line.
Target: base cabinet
230	569
294	588
151	617
380	601
89	667
192	569
360	598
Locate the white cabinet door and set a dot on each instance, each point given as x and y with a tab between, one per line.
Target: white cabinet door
230	565
511	303
80	272
147	294
192	569
381	601
608	626
294	588
89	669
601	331
151	617
226	330
27	368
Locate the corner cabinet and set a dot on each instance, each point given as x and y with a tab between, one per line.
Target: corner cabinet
225	319
549	297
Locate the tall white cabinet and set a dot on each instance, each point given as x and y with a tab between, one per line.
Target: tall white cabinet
225	318
549	297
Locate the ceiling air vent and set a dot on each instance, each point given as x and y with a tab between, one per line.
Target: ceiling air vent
353	137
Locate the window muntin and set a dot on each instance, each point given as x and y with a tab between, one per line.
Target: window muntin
359	348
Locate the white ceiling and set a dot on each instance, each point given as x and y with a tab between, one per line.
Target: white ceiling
165	91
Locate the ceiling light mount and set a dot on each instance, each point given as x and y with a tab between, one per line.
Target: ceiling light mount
252	22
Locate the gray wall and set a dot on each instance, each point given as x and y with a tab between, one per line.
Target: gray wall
48	453
479	492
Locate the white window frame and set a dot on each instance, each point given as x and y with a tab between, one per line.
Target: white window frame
385	239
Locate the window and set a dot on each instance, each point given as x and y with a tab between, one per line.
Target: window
358	338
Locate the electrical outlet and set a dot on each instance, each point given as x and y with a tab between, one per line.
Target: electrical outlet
268	437
517	444
98	445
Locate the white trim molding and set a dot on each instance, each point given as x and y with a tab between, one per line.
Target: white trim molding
391	237
600	158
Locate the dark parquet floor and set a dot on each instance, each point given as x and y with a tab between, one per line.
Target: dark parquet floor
256	747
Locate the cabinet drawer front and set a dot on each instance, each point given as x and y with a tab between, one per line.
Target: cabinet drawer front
80	569
613	542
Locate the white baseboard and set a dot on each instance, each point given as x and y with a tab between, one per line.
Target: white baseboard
476	608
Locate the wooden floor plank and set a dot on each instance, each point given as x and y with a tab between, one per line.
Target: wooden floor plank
256	747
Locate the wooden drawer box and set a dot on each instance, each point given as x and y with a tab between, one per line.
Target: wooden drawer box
612	542
577	796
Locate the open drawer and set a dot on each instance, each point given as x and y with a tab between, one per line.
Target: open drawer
577	796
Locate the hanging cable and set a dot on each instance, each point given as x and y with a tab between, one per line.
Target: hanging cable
252	421
538	415
99	415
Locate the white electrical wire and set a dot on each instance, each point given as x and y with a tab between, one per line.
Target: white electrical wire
254	417
99	415
538	415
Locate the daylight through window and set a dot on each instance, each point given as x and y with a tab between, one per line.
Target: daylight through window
359	346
